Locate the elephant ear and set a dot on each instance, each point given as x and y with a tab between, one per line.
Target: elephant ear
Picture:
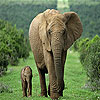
43	33
73	28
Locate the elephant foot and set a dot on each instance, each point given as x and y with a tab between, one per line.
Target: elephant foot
54	96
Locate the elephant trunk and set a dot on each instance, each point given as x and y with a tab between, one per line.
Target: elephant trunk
57	54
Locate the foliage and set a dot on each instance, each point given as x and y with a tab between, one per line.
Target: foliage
92	63
89	12
90	59
83	45
88	2
63	6
12	45
21	12
75	46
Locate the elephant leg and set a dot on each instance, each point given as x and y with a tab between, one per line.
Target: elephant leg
29	89
42	82
54	94
52	88
24	87
49	91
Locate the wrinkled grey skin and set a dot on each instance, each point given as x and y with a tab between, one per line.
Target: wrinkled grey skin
26	78
50	35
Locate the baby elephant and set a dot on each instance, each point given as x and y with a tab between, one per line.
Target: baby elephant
26	78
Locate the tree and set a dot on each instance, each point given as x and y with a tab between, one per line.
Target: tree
13	45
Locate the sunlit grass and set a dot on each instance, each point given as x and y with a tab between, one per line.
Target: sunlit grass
74	77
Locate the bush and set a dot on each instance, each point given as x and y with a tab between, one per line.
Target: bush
90	59
75	46
83	45
80	44
13	45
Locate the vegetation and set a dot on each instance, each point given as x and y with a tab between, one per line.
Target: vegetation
13	45
90	59
87	2
75	78
63	6
89	11
21	12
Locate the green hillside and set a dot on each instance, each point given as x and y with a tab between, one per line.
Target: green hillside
21	12
63	6
89	12
27	1
88	2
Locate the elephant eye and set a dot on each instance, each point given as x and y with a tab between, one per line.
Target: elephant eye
49	31
64	31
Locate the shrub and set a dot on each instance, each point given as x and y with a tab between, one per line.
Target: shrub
75	46
90	59
83	45
79	44
13	45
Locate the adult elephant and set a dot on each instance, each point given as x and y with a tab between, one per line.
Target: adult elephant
50	35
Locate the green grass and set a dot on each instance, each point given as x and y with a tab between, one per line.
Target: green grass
74	77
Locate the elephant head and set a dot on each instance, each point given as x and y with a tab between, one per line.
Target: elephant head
58	32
